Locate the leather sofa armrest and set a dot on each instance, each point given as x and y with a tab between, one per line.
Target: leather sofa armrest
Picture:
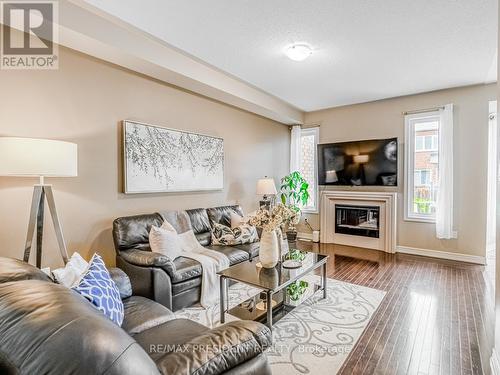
122	282
219	349
146	258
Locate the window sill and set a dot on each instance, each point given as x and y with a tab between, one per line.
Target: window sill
310	211
428	220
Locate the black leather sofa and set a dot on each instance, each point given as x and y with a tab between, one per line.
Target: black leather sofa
46	328
173	283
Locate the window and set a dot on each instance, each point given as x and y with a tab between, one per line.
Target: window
309	164
422	177
422	165
426	142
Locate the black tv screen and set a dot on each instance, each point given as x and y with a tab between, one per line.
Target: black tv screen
360	163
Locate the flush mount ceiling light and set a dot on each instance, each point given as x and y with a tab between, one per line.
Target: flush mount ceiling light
298	52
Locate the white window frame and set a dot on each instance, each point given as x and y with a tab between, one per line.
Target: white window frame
410	121
420	171
434	143
314	209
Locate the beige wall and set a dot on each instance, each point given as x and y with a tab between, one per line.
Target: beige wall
84	102
384	119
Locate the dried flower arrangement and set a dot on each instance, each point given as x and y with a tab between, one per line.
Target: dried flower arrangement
274	219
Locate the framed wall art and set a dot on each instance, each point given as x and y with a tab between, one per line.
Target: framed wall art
158	159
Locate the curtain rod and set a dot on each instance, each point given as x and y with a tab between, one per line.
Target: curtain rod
422	110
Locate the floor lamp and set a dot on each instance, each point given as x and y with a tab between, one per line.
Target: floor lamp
30	157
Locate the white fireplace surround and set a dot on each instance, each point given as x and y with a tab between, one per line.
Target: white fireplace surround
386	201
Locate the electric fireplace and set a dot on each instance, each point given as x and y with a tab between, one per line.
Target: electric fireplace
357	220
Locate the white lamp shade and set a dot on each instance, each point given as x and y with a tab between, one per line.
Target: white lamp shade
331	176
37	157
266	186
360	159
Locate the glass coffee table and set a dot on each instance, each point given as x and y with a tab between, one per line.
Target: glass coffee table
270	305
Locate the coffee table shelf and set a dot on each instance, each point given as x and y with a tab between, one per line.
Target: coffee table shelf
271	281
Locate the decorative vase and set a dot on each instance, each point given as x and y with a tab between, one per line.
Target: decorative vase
269	253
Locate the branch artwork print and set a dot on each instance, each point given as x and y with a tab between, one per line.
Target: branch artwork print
164	160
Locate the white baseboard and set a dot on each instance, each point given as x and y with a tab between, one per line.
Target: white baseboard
442	255
494	363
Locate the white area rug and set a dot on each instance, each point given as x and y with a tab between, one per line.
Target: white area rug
317	336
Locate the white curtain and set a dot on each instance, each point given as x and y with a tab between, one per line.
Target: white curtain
295	148
444	209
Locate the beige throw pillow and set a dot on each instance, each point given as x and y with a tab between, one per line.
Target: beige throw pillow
236	220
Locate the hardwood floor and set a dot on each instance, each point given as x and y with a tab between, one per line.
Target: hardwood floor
436	318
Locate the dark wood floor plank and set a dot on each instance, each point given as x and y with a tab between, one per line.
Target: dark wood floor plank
384	364
436	318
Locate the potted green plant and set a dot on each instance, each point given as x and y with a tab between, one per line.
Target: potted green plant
296	290
294	194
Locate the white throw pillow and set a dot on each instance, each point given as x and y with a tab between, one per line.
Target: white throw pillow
189	242
167	226
165	241
72	271
236	220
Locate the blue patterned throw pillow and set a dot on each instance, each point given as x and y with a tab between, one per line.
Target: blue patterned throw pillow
97	286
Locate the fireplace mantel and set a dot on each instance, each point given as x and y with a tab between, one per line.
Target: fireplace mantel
387	201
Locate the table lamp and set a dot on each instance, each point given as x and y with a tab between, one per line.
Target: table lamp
31	157
331	176
361	160
266	188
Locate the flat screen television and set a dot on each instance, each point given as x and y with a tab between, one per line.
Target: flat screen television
360	163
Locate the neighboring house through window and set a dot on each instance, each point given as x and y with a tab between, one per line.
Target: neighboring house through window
309	164
422	166
422	177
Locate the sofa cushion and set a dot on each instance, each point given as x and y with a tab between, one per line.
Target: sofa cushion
15	270
222	214
185	269
200	224
165	338
234	254
252	249
142	314
199	220
205	238
133	231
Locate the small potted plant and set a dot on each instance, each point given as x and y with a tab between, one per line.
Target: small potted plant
294	194
296	290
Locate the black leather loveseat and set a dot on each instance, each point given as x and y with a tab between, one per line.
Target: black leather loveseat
46	328
173	283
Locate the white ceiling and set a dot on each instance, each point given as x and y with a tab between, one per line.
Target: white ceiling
364	49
